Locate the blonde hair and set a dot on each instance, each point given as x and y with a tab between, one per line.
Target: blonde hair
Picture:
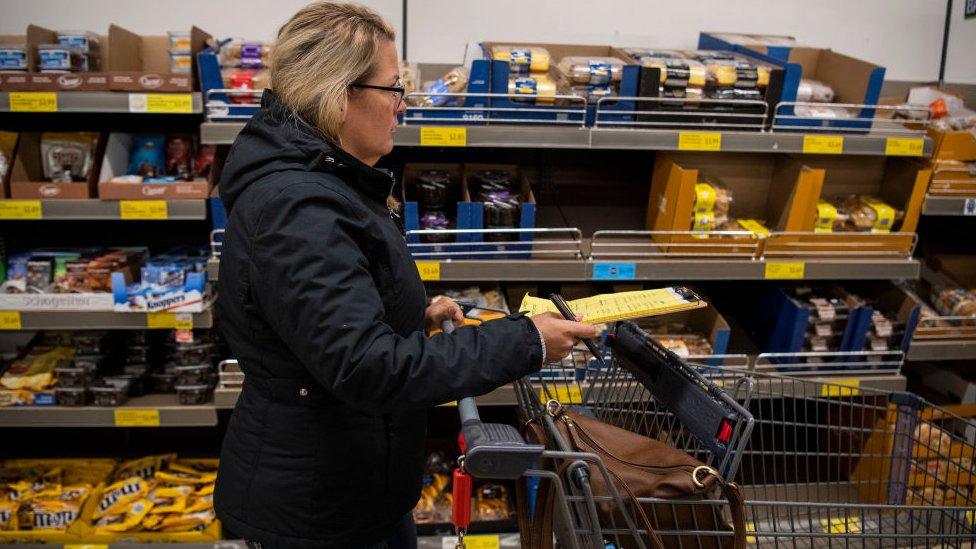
319	52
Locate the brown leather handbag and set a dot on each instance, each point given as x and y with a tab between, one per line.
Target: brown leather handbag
639	467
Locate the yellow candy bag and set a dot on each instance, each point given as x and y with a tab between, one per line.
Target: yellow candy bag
144	468
152	522
117	497
78	492
205	490
169	499
35	372
185	478
206	465
8	515
54	514
133	516
187	522
197	504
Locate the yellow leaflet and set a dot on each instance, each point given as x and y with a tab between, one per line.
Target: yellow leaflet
603	308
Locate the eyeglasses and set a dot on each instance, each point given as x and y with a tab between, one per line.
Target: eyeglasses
397	90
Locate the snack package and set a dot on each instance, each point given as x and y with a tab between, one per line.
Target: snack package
8	514
148	156
127	520
13	57
187	521
144	468
116	498
540	86
814	91
455	81
522	59
712	196
179	156
203	161
248	55
169	499
182	477
67	157
594	71
61	58
35	371
954	302
180	63
491	502
179	42
437	476
48	514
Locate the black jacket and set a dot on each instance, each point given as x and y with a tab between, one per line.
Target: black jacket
322	305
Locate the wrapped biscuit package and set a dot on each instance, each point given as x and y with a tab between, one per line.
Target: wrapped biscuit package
870	214
540	89
522	59
594	71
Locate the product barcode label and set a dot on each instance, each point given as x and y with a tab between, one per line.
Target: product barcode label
614	271
564	394
169	321
490	541
904	146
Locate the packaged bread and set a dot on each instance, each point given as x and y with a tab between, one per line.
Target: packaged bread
540	88
677	72
829	218
522	59
455	81
814	91
870	214
954	302
491	502
712	196
248	55
409	77
595	71
932	438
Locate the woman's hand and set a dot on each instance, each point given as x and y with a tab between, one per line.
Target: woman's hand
560	335
442	308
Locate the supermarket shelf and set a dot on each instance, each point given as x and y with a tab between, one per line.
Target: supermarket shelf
171	414
101	102
579	270
94	209
555	137
942	350
93	320
949	205
222	544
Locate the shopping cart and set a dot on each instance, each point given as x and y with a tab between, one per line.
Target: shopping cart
645	389
819	464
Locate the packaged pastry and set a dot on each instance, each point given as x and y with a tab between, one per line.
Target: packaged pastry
868	213
193	374
814	91
932	438
433	188
66	157
676	72
148	156
61	58
540	88
116	497
491	502
954	302
179	42
522	59
712	196
829	218
13	57
83	41
248	55
409	77
824	111
455	81
144	468
179	156
203	161
180	63
71	396
35	371
437	476
595	71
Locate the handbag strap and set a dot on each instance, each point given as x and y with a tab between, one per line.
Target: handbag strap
737	507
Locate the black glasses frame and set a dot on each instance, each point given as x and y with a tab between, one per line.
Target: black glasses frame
400	91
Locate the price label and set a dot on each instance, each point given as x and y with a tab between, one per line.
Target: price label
143	209
823	144
429	270
443	137
841	388
472	542
20	209
136	417
33	102
563	394
10	320
85	546
449	404
169	321
699	141
164	103
614	271
842	525
779	270
750	527
904	146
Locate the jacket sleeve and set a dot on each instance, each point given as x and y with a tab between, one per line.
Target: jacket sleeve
312	282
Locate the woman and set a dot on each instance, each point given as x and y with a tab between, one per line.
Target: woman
323	307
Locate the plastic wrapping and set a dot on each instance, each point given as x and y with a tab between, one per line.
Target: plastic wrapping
677	72
523	59
814	91
869	214
433	188
61	58
13	57
193	394
455	81
540	87
179	42
595	71
248	55
409	77
67	157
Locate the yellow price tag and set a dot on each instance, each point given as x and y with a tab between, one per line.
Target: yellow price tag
971	518
20	209
33	102
166	103
443	137
841	388
10	320
136	417
483	541
448	404
842	525
429	270
904	146
778	270
169	321
86	546
564	395
143	209
699	141
750	527
823	144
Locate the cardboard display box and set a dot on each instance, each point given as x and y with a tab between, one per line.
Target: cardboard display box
129	62
8	144
764	187
26	178
953	145
626	87
894	303
412	208
953	178
944	271
476	214
115	162
854	81
773	45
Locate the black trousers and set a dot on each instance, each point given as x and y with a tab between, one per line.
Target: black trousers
405	537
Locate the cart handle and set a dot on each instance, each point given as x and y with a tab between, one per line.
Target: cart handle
492	450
